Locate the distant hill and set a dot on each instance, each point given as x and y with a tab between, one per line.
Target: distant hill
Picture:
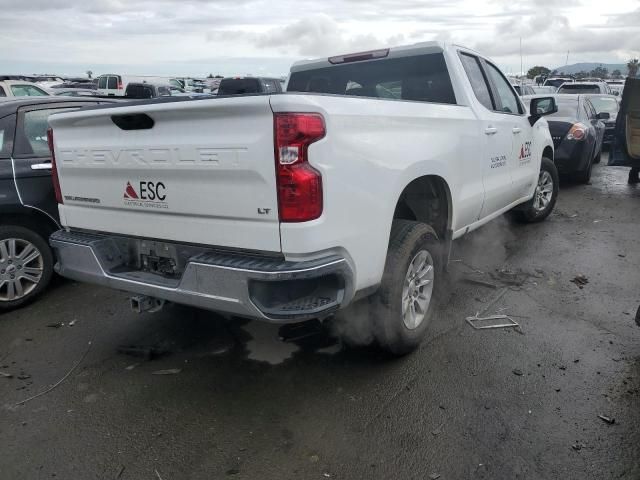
587	67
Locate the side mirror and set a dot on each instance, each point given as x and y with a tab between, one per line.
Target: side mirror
604	116
541	106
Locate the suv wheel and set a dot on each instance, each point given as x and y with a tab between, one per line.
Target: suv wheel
406	299
544	197
26	266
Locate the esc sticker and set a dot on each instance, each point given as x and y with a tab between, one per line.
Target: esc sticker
497	162
525	153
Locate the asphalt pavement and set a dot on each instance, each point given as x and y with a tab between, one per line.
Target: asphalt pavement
185	394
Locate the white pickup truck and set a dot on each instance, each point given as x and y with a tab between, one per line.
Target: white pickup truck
291	206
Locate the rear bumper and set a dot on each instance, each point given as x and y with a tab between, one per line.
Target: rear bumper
570	156
266	288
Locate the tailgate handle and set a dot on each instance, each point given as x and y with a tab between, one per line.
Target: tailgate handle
135	121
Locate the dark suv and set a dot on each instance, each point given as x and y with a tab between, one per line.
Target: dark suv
28	209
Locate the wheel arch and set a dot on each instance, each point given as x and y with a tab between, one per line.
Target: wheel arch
30	218
427	199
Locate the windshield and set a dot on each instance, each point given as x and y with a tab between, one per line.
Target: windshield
577	88
567	107
604	104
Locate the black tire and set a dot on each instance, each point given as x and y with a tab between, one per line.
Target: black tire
407	240
26	235
527	212
598	157
584	176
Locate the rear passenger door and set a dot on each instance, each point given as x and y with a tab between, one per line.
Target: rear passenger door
524	167
496	135
31	158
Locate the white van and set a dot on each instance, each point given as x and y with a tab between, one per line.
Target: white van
115	85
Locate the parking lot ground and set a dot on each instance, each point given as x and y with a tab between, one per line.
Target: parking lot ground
493	404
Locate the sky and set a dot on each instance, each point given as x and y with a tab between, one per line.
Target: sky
262	37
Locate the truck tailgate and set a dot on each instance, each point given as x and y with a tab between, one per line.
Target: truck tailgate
198	171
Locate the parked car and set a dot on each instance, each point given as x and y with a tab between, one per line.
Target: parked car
147	90
84	85
19	88
578	133
47	81
523	89
115	85
255	206
557	81
625	150
585	87
74	92
611	105
248	85
28	208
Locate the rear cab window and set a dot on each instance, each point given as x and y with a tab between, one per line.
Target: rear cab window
112	83
579	89
239	86
422	78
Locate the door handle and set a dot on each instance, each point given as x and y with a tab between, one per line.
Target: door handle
41	166
516	130
491	130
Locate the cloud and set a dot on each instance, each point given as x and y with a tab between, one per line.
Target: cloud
137	32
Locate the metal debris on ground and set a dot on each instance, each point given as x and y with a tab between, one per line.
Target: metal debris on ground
492	321
580	280
22	402
168	371
120	472
609	420
157	474
638	317
517	371
72	323
55	325
6	375
435	476
578	446
511	278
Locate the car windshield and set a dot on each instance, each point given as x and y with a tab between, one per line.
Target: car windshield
577	88
567	107
605	104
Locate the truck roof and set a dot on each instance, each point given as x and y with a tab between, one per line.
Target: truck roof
393	52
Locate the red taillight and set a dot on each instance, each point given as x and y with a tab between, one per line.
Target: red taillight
54	169
119	85
578	131
299	184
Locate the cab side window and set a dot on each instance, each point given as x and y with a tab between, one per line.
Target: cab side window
478	81
507	96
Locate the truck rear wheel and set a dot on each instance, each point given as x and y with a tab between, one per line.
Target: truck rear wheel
406	299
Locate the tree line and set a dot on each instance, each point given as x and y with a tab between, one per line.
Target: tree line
633	66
